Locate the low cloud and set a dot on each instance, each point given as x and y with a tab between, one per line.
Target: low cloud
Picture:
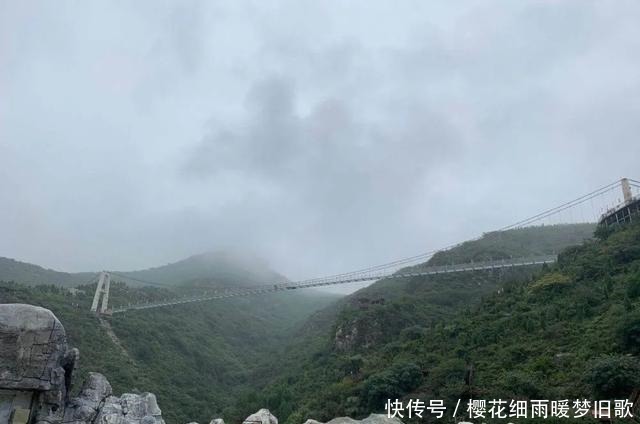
322	137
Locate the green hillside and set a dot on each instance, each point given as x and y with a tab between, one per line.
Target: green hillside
26	273
211	268
196	358
522	332
545	334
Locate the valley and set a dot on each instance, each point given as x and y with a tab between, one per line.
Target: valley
307	353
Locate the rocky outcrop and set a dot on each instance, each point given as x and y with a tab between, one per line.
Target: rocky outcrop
371	419
357	334
35	358
130	409
36	366
263	416
92	396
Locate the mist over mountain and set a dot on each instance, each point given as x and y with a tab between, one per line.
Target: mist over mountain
213	268
26	273
203	194
196	358
306	354
216	268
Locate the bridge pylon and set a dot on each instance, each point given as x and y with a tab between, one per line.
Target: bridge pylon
626	190
102	290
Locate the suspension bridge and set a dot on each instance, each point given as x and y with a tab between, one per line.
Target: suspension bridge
602	206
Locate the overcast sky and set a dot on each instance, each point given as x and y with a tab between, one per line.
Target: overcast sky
321	135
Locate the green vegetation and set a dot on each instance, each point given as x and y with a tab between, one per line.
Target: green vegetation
196	358
211	269
565	332
25	273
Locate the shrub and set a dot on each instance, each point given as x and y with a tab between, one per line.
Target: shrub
393	383
517	384
552	280
613	376
629	333
633	287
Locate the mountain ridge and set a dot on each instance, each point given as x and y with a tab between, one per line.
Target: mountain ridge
333	367
221	267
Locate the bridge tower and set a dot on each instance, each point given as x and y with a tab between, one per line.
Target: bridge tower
626	190
102	290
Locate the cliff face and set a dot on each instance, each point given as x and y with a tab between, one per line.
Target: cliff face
36	366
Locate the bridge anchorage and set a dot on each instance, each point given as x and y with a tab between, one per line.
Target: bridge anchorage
622	211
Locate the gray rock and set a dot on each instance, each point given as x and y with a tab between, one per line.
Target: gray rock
85	407
37	365
130	409
371	419
35	357
380	419
344	420
33	348
217	421
263	416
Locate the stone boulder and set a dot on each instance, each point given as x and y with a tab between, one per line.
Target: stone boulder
263	416
380	419
33	348
216	421
84	408
36	366
371	419
130	409
35	358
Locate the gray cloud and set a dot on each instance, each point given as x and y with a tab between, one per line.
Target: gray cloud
321	136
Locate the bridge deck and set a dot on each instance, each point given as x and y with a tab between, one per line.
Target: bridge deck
352	278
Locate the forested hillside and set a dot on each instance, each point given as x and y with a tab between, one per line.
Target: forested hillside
560	332
218	268
196	358
26	273
557	331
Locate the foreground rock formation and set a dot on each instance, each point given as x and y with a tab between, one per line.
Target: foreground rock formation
264	416
371	419
36	367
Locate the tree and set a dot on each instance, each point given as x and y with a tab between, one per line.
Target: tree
613	376
629	333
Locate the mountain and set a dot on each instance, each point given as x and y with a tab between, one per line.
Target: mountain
211	268
566	330
402	338
26	273
197	358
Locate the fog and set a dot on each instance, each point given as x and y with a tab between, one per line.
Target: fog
320	136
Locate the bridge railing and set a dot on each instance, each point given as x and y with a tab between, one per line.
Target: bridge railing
366	276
